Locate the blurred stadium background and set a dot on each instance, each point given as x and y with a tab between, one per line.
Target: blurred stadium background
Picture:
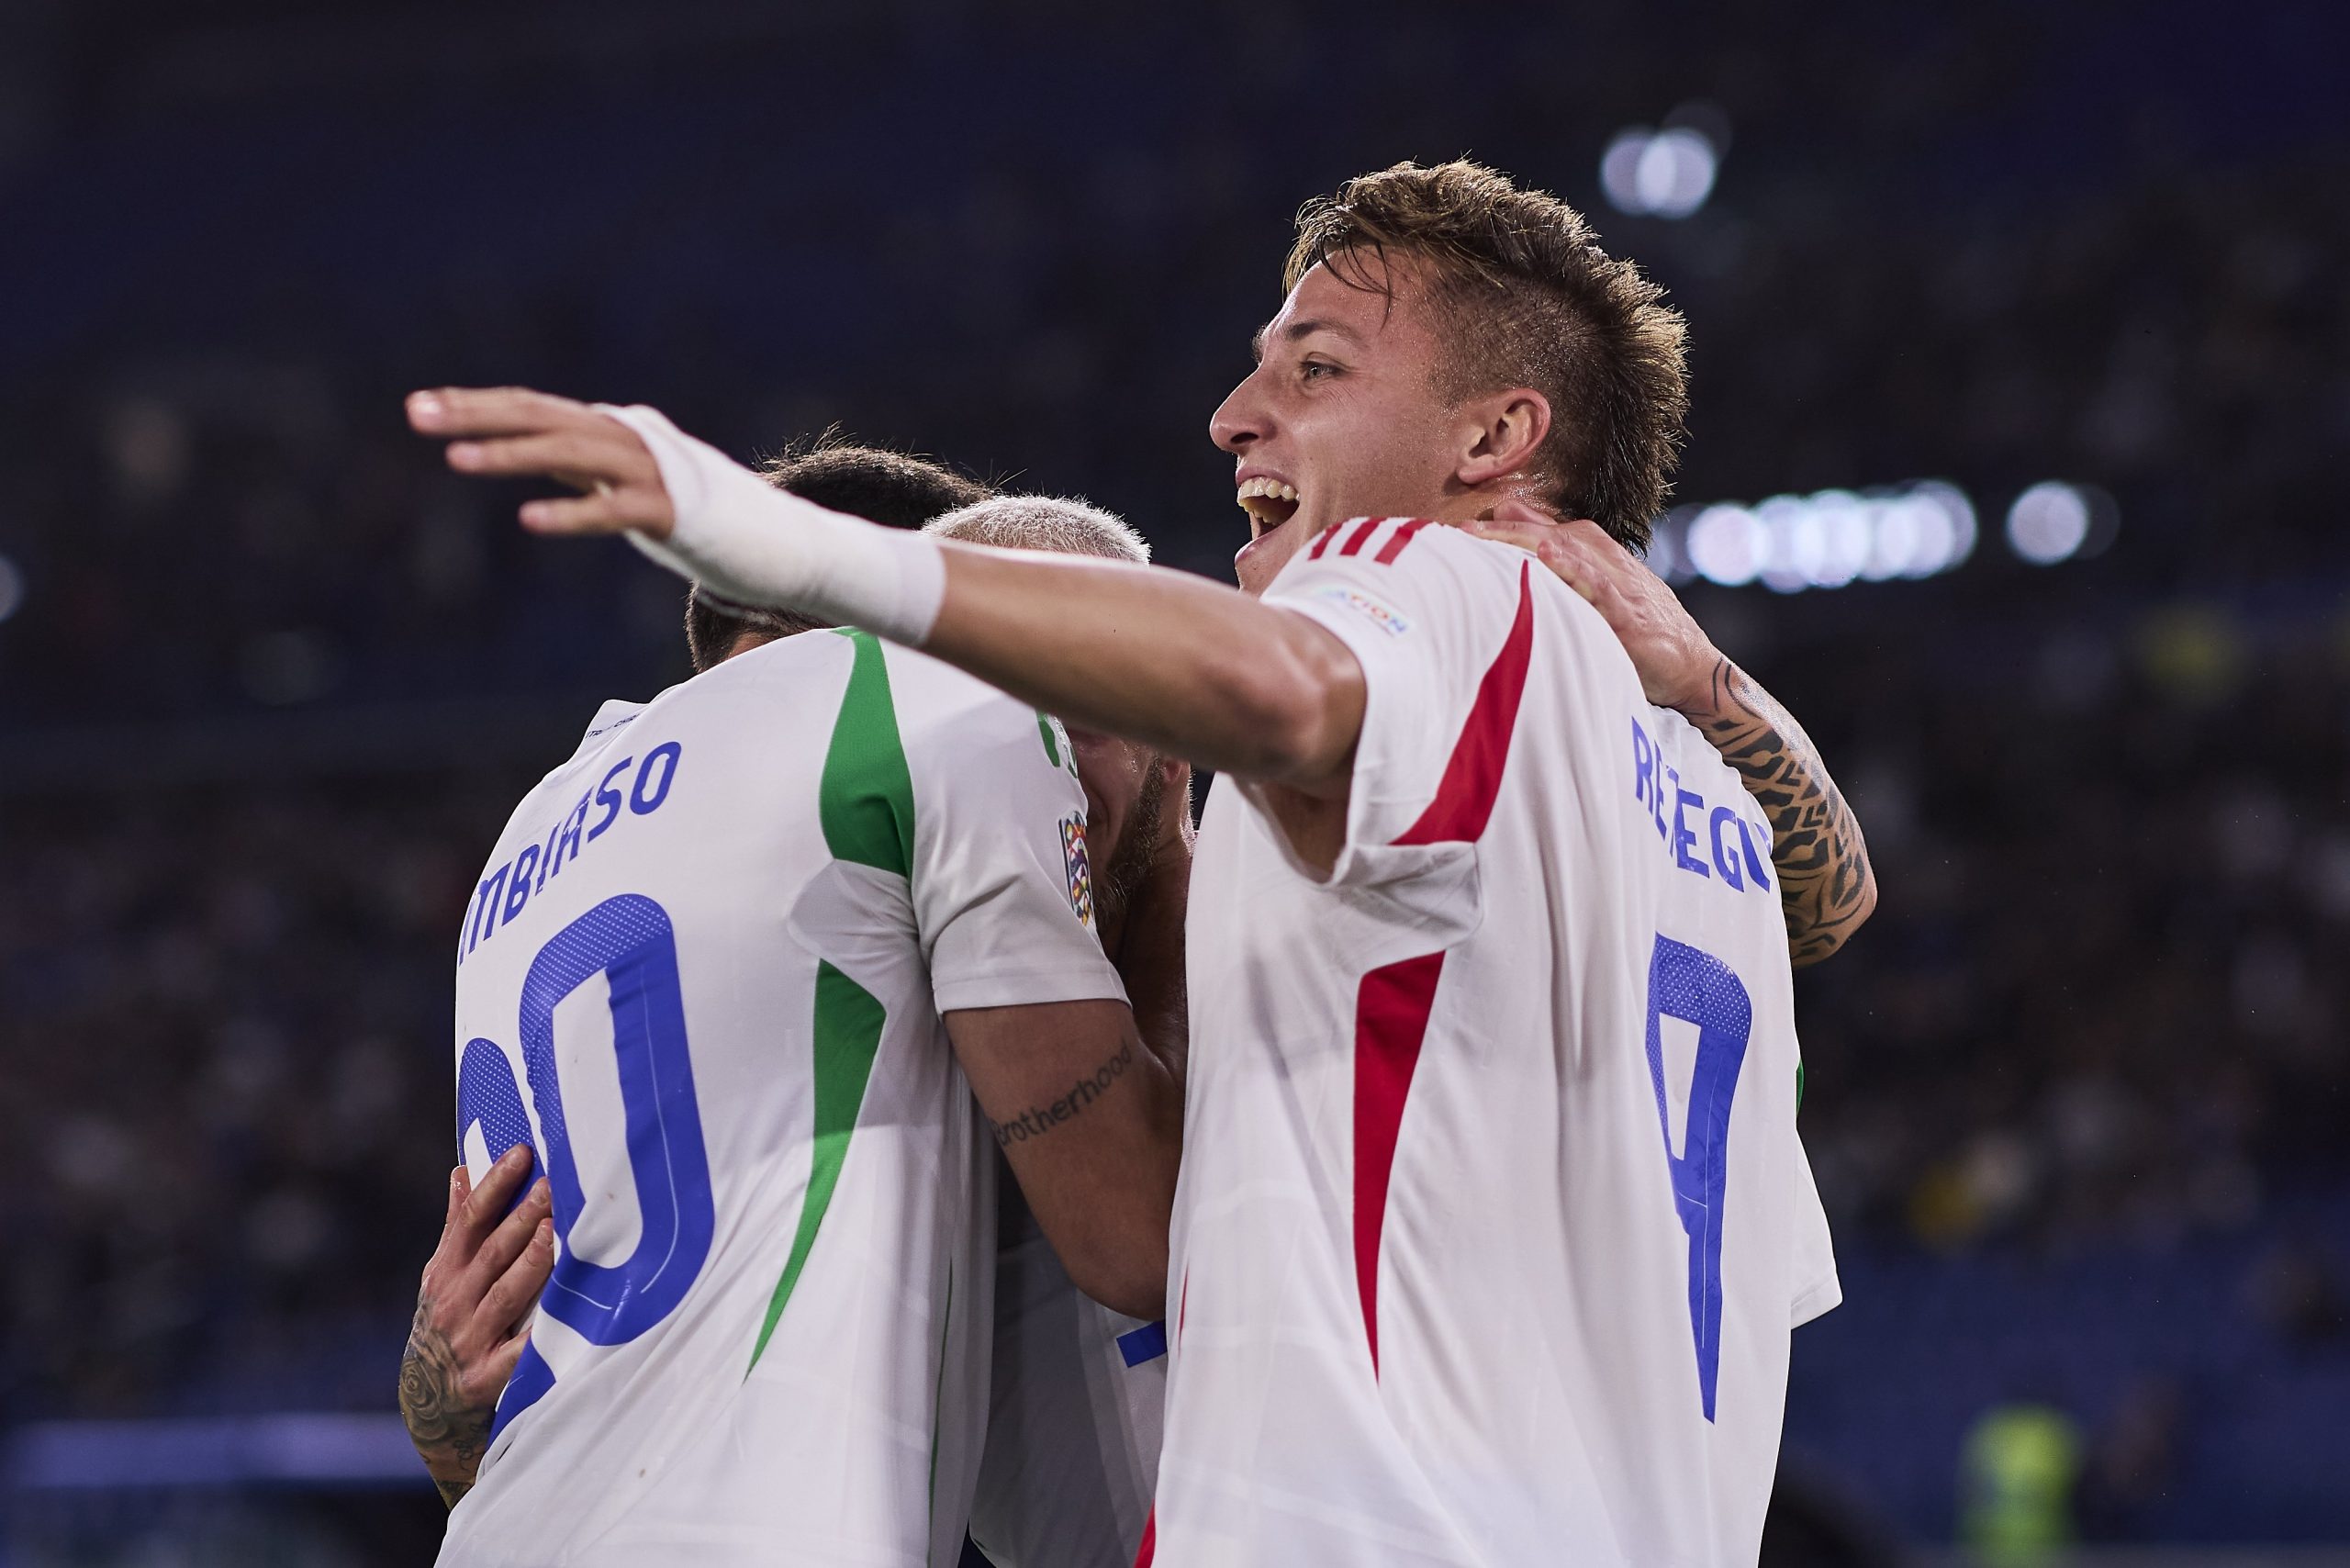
2022	389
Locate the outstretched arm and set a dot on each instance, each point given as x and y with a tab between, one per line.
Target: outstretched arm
1190	667
1195	669
1826	888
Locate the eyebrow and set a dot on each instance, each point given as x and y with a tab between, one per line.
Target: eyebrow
1297	331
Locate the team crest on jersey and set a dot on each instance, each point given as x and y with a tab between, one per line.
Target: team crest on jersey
1080	869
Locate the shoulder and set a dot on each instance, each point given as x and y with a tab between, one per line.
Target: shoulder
1400	574
1404	544
938	704
966	741
845	676
1407	552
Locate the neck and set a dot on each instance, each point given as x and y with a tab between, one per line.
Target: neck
1455	504
745	641
1476	503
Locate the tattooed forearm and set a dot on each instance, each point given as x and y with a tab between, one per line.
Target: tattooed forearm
448	1433
1826	889
1038	1120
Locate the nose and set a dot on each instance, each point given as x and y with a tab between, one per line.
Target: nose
1242	421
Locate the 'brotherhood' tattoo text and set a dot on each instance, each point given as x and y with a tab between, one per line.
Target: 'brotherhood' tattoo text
1038	1120
449	1433
1825	889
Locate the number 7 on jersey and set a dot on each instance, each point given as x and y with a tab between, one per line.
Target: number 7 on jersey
1699	988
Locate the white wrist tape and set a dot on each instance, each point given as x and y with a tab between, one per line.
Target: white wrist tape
747	543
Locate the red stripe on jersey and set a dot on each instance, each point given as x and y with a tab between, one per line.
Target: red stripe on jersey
1472	778
1363	531
1397	540
1324	539
1390	1019
1392	1006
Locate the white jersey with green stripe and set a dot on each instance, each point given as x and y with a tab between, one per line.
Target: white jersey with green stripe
703	977
1075	1411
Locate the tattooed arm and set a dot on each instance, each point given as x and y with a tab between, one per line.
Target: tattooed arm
1826	889
471	1318
1092	1120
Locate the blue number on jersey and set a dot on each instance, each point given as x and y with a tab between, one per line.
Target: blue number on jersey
1700	989
627	938
486	1097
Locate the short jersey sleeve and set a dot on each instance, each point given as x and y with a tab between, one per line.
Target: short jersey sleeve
1443	625
1002	876
1818	1288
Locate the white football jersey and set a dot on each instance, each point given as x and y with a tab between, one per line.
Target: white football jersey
1493	1219
1075	1410
703	977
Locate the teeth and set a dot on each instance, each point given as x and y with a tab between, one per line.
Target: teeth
1273	489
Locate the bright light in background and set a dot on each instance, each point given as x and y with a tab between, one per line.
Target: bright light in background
2054	521
1726	544
1823	540
12	587
1659	174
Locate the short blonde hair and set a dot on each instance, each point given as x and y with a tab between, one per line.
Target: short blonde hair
1061	525
1529	299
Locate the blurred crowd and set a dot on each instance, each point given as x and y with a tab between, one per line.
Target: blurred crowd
213	501
2101	1001
226	1120
2101	996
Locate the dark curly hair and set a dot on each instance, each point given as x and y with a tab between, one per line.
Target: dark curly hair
891	488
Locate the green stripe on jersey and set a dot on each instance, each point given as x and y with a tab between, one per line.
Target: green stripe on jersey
866	805
867	799
848	1035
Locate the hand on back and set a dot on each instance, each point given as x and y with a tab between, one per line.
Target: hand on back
1673	655
472	1315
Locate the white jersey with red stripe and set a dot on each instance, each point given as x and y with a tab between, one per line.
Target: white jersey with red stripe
1493	1219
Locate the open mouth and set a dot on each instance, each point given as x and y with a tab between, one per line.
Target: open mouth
1268	503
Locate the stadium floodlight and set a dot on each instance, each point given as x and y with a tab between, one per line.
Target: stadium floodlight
1848	530
1659	174
1900	528
1793	547
12	587
1949	535
1790	543
1727	545
2049	524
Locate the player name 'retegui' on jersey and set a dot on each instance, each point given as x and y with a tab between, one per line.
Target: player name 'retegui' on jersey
1494	1220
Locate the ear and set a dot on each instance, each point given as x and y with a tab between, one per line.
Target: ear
1504	432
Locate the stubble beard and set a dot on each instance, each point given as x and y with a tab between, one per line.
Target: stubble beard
1128	866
